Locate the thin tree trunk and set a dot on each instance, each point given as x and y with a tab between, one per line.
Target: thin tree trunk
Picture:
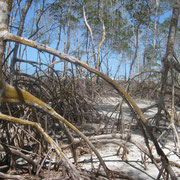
57	46
136	51
146	43
91	34
20	31
97	65
34	32
125	69
155	31
68	35
167	60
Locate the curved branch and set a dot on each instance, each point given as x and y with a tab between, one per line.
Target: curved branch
34	101
91	34
41	47
145	71
101	42
14	94
74	173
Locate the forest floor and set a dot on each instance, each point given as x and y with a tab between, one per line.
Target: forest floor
119	155
131	164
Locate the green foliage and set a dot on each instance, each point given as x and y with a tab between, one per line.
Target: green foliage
152	57
58	10
138	11
118	31
122	20
164	26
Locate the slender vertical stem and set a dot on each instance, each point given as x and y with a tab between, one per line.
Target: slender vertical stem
20	31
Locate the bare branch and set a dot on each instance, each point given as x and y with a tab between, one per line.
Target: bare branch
91	34
8	176
74	173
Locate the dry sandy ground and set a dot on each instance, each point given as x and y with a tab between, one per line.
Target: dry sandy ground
133	167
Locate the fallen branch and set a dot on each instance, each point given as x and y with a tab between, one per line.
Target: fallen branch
8	176
115	139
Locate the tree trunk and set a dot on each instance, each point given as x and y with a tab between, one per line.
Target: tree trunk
20	31
146	44
91	34
155	32
57	46
136	51
66	50
167	61
4	20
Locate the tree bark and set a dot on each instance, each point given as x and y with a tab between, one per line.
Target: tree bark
168	61
91	34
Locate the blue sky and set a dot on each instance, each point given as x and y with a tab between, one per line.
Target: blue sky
114	59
